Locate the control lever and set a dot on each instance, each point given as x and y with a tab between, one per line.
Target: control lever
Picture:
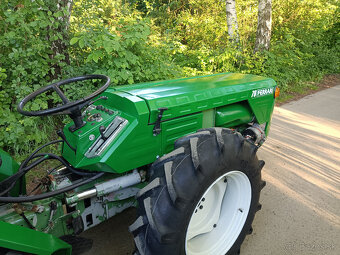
62	136
101	131
53	209
157	128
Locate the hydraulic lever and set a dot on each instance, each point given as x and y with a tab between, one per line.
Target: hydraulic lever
101	131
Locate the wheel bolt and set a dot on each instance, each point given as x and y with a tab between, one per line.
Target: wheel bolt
225	180
203	199
201	207
215	226
240	209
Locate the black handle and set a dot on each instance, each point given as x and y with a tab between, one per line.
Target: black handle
101	131
157	128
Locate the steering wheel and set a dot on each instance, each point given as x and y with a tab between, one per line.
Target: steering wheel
72	108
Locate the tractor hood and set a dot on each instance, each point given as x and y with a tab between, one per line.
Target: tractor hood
130	117
190	95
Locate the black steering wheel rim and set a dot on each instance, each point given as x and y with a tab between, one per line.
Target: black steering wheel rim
66	104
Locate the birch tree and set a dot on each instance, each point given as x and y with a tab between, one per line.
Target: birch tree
264	25
232	21
61	10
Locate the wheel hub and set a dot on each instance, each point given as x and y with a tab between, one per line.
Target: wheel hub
220	215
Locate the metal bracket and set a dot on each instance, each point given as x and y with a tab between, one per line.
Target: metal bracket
157	128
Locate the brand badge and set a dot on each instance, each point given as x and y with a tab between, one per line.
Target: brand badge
262	92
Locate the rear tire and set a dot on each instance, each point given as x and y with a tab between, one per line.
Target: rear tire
180	210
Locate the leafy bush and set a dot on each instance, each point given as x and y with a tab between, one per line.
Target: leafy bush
125	55
29	29
144	40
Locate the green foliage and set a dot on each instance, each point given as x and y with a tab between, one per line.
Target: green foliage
125	50
28	29
305	38
143	40
304	45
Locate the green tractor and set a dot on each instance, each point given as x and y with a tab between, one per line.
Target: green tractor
182	151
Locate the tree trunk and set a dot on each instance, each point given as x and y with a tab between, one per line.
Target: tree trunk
59	46
264	25
232	21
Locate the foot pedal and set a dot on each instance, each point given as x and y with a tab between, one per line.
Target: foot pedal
79	244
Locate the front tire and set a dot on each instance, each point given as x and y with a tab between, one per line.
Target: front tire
202	197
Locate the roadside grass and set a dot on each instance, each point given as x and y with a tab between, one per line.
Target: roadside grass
298	90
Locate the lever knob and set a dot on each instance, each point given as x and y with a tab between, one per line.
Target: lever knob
101	131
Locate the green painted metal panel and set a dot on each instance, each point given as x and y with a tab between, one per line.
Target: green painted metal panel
208	118
133	147
233	115
8	167
27	240
262	108
195	94
176	128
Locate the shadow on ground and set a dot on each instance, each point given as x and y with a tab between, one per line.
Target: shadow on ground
301	206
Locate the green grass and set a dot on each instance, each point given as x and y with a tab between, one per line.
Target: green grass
296	91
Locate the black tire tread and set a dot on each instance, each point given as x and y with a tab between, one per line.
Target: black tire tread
156	231
155	183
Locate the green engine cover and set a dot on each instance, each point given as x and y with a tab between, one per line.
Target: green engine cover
196	94
227	99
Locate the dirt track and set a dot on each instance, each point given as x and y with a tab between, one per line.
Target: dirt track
301	202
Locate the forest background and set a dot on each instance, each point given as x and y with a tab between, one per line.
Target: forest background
135	41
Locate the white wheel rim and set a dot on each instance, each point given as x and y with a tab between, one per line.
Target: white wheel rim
219	216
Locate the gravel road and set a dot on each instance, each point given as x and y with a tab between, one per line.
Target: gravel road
301	202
